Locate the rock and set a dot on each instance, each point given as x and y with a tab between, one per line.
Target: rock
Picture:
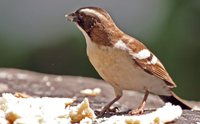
39	84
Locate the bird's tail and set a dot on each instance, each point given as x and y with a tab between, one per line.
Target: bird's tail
174	99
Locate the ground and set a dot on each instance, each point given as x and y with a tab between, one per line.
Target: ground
39	84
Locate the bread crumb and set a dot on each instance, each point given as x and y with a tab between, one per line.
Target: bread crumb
45	110
81	111
165	114
91	92
86	121
22	95
11	117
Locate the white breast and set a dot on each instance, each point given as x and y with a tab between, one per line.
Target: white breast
117	68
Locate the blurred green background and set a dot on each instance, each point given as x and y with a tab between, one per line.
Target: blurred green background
34	35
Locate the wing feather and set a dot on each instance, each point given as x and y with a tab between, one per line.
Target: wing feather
157	69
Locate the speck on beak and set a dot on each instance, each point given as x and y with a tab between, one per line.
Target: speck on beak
71	17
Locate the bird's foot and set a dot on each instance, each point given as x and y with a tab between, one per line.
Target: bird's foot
139	110
106	110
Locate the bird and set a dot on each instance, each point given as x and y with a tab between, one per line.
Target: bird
121	60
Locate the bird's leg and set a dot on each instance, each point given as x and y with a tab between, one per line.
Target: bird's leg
140	109
107	107
118	94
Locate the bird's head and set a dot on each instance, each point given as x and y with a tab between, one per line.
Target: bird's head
96	23
90	17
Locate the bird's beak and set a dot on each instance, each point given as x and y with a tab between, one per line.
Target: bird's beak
71	17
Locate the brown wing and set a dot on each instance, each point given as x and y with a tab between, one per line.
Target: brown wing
154	69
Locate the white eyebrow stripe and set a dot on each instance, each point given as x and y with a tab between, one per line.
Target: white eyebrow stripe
91	12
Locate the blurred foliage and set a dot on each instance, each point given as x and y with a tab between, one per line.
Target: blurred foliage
177	44
68	57
180	40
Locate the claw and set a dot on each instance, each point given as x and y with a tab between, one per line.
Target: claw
106	110
114	110
137	111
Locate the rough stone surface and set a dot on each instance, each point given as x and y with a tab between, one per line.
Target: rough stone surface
38	84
